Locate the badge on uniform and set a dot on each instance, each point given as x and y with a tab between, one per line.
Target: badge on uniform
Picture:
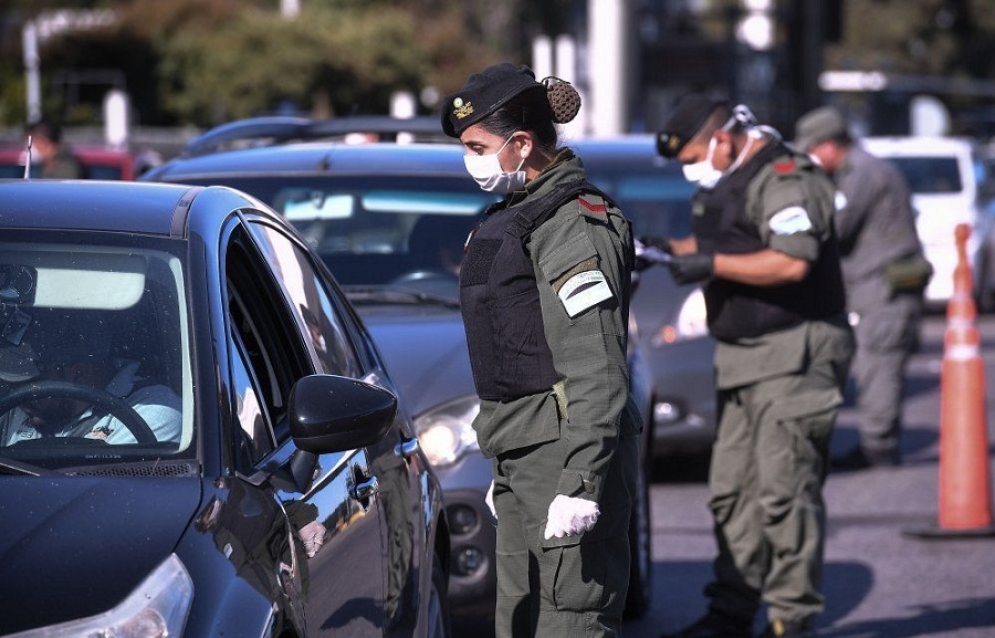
584	290
791	220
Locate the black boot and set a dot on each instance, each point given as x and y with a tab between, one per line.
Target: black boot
788	629
715	625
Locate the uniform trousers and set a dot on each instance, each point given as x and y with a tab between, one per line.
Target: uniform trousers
573	586
768	467
887	332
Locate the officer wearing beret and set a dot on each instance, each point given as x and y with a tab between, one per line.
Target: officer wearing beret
765	252
884	272
544	290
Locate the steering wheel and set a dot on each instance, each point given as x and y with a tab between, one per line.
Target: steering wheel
100	398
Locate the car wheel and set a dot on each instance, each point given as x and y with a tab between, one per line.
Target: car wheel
640	593
438	605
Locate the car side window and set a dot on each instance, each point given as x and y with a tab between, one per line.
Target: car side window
267	358
312	302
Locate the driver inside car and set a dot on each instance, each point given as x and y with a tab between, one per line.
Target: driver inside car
78	351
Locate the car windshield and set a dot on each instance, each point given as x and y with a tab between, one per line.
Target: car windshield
94	364
930	175
388	231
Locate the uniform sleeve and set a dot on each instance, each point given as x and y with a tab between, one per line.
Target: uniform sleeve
583	258
789	214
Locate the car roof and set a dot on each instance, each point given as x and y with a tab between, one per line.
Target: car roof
318	158
115	206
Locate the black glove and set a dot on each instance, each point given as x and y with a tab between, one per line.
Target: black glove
691	268
650	250
657	242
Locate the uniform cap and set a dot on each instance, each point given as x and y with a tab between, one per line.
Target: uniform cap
684	122
483	93
818	125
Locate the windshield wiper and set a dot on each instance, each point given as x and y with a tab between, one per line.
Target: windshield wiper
376	294
12	466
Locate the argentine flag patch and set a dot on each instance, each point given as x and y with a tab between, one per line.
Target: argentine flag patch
584	290
791	220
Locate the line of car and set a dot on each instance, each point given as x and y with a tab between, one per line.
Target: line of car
273	261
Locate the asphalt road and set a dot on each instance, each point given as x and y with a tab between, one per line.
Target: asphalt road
880	581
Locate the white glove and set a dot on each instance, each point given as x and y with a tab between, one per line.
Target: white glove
313	535
569	516
489	499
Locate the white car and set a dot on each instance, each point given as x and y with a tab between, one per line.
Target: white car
941	175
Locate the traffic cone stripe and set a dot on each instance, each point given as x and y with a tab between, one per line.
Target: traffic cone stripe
961	352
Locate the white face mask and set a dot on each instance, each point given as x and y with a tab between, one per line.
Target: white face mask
707	176
703	173
487	172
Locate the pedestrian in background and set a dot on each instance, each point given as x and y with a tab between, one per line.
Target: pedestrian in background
57	159
544	290
764	249
884	273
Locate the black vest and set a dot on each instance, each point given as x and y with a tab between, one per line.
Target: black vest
499	297
737	310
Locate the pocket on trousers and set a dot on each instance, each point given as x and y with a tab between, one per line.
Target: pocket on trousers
576	584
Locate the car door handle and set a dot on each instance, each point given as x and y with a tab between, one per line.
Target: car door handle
366	490
406	448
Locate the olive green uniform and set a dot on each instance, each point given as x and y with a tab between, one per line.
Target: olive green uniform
779	394
578	439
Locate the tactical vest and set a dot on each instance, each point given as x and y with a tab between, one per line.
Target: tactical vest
499	297
736	310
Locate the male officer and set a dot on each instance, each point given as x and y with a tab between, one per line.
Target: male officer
884	271
764	248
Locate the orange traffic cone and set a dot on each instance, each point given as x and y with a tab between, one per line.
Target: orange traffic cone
965	477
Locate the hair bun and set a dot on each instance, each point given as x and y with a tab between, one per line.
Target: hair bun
563	99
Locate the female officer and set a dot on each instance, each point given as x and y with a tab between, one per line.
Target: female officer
544	290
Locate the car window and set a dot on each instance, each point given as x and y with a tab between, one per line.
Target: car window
930	175
375	229
316	314
267	356
106	321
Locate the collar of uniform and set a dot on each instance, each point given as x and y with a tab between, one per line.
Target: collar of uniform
565	166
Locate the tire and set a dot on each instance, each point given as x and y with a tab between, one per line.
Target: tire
640	593
438	621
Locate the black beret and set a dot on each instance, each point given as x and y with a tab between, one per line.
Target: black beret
484	93
684	122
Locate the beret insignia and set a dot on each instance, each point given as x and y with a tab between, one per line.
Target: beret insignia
463	109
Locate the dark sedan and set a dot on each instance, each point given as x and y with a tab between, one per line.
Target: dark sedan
390	220
197	434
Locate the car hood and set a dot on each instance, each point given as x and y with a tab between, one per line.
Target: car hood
76	546
426	356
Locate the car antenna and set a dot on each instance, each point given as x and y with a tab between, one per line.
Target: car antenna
27	160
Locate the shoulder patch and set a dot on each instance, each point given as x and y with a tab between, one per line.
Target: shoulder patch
592	206
784	167
791	220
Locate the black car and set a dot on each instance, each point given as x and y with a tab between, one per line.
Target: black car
390	220
246	469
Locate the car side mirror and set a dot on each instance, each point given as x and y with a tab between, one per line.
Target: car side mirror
329	413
